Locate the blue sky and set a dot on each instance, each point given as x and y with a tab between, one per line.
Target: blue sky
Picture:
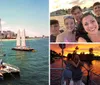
31	15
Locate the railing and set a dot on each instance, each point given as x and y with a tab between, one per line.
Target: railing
58	78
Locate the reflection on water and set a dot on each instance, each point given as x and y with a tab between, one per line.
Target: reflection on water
20	55
96	66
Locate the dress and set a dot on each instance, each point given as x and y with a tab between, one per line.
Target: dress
67	73
77	76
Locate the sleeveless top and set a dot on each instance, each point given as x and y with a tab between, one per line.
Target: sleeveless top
68	65
76	73
85	36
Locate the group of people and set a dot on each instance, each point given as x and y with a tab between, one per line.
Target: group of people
72	75
80	27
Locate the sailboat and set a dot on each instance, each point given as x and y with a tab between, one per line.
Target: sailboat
21	43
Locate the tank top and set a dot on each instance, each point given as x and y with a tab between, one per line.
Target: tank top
85	36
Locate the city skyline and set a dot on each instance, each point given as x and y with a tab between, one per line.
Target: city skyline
66	4
31	15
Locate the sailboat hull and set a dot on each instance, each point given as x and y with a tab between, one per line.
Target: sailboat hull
9	71
21	43
20	49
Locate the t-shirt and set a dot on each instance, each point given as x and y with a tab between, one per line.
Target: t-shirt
80	31
52	38
98	20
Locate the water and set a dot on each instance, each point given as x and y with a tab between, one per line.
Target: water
56	74
33	66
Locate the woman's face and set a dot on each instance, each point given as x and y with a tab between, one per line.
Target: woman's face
69	24
90	24
76	58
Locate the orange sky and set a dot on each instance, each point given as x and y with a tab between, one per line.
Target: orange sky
82	48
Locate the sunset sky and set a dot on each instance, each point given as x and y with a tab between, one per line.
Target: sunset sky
65	4
82	48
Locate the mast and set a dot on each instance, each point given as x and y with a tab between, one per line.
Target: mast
23	43
18	39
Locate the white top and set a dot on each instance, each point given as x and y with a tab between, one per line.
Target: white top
66	37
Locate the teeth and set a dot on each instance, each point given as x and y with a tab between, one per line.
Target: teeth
92	29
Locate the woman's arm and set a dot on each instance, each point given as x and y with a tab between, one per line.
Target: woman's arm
65	62
74	64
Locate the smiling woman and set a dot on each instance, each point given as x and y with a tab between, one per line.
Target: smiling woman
91	27
68	35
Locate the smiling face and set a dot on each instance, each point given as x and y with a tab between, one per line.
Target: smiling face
69	24
90	24
77	14
54	29
96	10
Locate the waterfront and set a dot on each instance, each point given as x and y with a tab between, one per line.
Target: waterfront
33	65
55	75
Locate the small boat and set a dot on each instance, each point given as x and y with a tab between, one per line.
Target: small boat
8	71
21	43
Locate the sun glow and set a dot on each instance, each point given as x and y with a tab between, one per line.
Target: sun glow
82	48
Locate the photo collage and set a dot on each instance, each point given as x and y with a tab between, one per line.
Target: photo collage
49	42
74	42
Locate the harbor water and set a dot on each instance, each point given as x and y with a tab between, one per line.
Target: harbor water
33	65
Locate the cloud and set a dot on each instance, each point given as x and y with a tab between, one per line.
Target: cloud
65	4
77	2
29	32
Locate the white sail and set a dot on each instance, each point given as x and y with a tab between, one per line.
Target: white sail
18	39
23	43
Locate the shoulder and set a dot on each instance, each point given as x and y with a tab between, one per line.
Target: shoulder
60	37
62	34
81	39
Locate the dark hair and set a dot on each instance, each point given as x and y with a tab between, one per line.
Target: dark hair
86	14
74	8
54	22
73	55
69	56
96	3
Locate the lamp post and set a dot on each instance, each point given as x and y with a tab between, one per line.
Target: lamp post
62	46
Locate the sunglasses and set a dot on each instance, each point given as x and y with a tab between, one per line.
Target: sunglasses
68	17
